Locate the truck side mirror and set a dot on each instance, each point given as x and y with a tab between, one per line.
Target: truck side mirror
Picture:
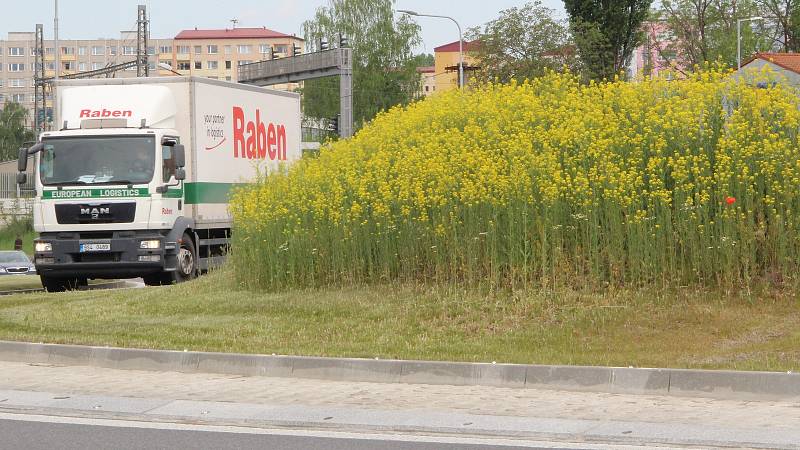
22	162
180	174
22	177
180	155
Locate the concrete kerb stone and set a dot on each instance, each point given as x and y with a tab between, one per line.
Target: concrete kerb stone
733	384
677	382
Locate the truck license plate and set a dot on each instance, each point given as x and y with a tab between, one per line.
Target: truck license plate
95	248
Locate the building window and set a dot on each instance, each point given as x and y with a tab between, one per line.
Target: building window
69	65
51	65
198	65
228	50
184	65
97	50
183	49
16	67
97	66
33	51
128	50
282	48
198	49
227	78
264	48
48	50
151	66
16	51
151	50
165	49
19	98
81	51
67	50
82	67
243	62
212	49
1	82
227	64
33	98
16	83
243	49
212	65
1	96
112	51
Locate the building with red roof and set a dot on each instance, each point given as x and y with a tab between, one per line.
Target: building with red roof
446	67
217	53
781	67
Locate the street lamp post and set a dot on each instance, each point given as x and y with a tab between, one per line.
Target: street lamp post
460	41
739	38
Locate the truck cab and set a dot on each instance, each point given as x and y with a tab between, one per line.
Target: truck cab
106	206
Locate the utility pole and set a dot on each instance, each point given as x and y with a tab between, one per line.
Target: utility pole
40	102
142	57
57	49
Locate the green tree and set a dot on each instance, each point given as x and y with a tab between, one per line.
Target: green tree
424	60
384	69
606	32
705	30
13	131
523	43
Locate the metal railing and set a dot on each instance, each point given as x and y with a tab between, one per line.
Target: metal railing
8	187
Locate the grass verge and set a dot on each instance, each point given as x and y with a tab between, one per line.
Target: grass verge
13	282
683	328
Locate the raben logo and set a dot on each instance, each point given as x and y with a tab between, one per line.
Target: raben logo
257	140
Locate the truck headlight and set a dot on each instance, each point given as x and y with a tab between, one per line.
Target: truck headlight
150	244
40	246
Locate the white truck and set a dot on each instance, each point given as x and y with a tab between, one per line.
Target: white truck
135	182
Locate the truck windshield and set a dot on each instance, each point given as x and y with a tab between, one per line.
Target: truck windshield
97	160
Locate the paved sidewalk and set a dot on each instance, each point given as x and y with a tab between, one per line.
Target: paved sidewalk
432	408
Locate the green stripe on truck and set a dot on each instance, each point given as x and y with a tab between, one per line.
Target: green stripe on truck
94	193
208	192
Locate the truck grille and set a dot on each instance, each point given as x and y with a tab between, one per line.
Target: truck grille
71	214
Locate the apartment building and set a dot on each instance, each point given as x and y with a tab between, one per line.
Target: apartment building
217	54
208	53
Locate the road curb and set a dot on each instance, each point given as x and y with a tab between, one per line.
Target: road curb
784	386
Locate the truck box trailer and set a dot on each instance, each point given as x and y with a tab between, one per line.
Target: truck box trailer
136	181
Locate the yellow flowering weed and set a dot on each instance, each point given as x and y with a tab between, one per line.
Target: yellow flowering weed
541	183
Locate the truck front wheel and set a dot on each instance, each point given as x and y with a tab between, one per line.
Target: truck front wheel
185	266
186	269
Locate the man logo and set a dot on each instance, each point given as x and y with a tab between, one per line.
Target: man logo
95	212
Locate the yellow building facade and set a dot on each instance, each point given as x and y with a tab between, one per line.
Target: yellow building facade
446	59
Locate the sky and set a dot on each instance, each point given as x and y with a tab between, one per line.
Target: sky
91	19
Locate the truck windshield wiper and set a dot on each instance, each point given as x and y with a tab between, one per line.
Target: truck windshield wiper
129	182
67	183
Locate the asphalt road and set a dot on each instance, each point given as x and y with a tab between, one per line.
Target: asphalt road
37	434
